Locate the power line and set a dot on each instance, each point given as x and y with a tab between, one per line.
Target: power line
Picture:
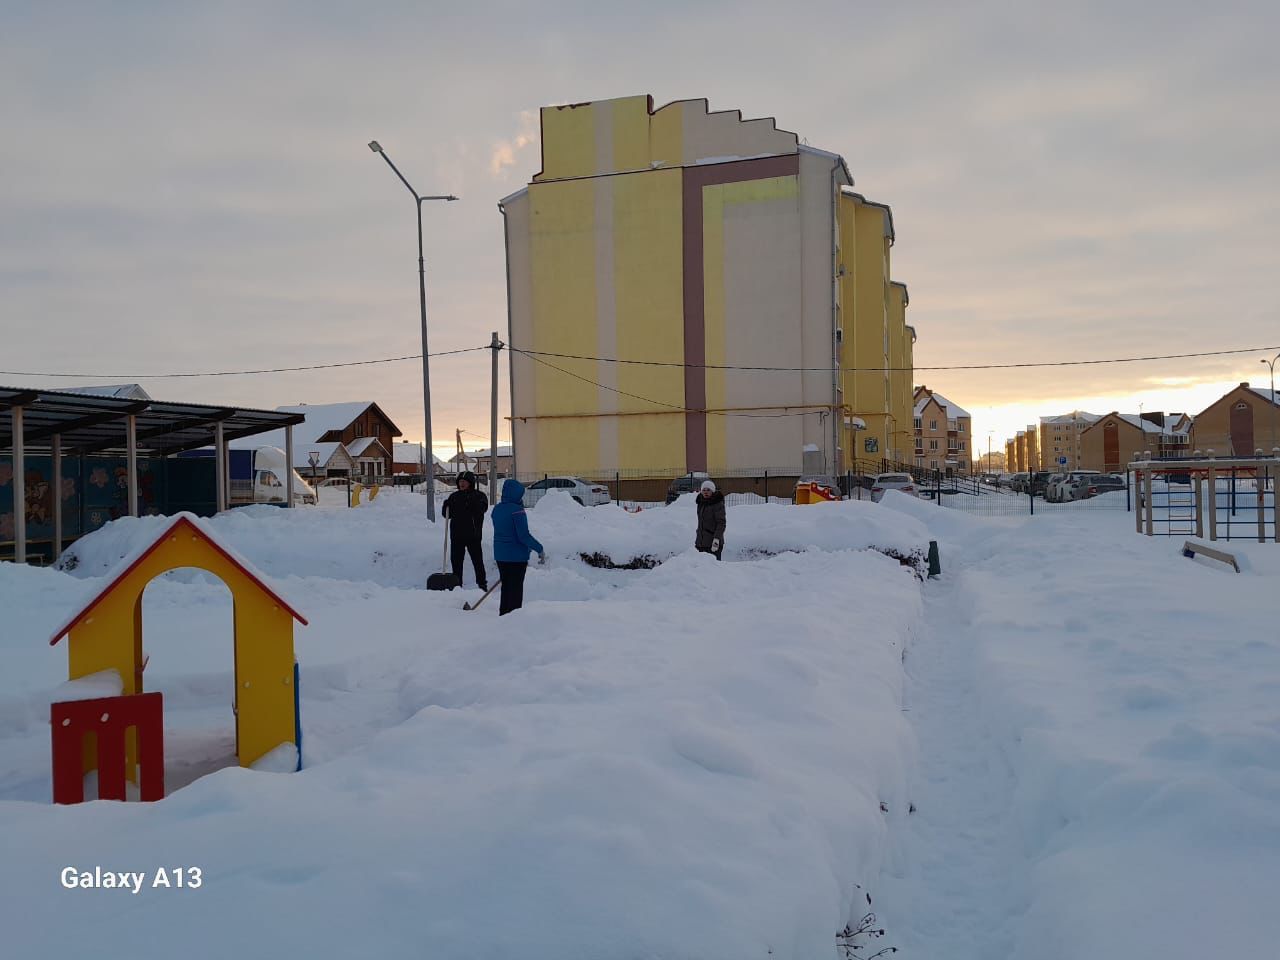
236	373
674	407
534	354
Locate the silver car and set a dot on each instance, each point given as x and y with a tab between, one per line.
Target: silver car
892	481
586	493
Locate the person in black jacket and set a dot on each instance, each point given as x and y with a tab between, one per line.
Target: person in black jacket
710	537
465	510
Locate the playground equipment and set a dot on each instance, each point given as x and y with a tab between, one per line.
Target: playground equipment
1205	499
1192	550
818	490
105	634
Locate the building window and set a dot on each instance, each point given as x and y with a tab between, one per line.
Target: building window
919	423
933	424
960	425
933	444
933	464
961	444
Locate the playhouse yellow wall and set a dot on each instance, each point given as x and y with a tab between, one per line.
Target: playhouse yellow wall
109	637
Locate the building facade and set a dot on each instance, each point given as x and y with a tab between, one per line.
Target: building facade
1111	442
1060	438
364	432
690	244
943	433
1242	421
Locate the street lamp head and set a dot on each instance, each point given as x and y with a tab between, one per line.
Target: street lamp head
375	146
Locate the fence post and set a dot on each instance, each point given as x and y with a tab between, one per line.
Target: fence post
617	485
1150	497
1128	479
766	486
1030	494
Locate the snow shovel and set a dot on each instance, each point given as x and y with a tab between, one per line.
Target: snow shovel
442	580
468	606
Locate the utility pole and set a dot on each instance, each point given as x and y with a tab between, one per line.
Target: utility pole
495	345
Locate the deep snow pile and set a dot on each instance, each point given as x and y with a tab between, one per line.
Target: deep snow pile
686	761
698	760
388	541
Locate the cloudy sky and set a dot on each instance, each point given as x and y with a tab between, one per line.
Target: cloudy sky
186	187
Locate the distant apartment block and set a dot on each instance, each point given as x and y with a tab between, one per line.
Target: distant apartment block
943	433
1060	440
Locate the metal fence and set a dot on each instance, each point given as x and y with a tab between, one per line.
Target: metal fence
655	486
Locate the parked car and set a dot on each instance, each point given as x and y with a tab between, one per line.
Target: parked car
688	483
1090	485
586	493
1018	482
1053	486
892	481
1036	483
1055	490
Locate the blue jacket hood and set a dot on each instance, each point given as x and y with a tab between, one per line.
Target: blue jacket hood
512	491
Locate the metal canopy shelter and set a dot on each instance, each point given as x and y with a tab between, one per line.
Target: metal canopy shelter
56	422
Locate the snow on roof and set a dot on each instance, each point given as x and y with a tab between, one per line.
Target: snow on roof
323	417
1146	426
953	411
1267	395
360	446
302	450
131	560
127	391
480	454
1074	416
406	452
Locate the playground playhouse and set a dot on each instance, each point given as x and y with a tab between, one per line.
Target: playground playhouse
120	736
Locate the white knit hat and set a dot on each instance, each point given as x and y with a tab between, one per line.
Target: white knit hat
708	485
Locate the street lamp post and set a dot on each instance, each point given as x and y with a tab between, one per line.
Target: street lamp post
1272	364
422	300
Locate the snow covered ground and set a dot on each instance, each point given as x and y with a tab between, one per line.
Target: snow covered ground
1068	746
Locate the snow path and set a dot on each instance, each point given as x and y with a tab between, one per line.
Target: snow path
960	885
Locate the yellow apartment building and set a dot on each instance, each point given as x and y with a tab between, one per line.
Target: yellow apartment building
691	290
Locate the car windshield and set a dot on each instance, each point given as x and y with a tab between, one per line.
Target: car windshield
894	478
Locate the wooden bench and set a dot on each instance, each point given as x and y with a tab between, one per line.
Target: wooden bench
1191	549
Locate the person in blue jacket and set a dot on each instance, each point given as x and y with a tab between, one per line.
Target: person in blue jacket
512	543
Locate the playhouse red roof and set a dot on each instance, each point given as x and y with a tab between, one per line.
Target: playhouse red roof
129	563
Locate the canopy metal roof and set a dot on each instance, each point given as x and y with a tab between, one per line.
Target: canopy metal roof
89	424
